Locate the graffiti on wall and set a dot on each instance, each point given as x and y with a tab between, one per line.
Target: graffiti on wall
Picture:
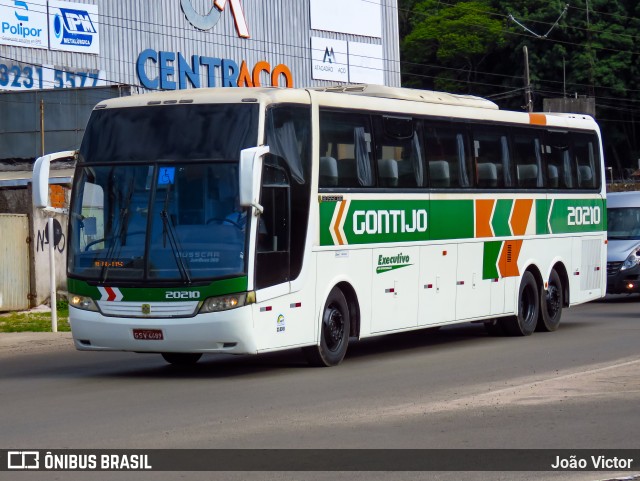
59	239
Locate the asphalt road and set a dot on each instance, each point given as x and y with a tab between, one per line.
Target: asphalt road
453	388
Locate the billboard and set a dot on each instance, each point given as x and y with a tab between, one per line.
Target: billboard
23	23
365	63
329	59
355	17
73	27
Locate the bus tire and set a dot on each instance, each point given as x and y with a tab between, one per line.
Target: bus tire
525	321
182	358
334	332
551	301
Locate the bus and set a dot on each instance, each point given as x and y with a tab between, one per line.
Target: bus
250	220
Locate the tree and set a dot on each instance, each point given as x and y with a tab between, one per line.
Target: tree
448	43
474	47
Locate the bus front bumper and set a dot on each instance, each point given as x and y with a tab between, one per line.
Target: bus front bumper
228	332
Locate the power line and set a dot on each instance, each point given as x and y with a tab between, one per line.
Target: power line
306	57
555	24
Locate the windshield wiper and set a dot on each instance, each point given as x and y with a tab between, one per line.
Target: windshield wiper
168	228
173	242
120	234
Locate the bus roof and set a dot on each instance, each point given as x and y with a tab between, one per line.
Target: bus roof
367	97
427	96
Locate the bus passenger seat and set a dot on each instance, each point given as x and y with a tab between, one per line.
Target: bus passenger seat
439	173
328	172
585	176
347	173
388	172
528	175
487	175
552	176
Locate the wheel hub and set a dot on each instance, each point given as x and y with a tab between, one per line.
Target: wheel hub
334	328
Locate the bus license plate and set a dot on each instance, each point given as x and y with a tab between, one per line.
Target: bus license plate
148	334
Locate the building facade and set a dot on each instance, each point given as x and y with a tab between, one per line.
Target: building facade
175	44
60	58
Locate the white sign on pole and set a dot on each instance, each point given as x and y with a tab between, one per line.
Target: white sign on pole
329	59
23	23
357	17
73	27
365	63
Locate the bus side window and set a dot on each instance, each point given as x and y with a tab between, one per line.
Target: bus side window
447	159
527	157
347	138
399	152
492	158
273	232
557	151
585	152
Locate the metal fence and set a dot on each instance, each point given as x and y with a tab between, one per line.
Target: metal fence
14	262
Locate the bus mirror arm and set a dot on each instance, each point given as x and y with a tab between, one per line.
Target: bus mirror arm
40	181
250	176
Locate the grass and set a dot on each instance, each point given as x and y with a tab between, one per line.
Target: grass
35	321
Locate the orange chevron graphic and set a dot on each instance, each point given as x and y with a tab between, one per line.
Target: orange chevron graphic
336	226
520	216
508	262
484	209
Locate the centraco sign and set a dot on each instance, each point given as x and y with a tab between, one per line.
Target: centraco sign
175	71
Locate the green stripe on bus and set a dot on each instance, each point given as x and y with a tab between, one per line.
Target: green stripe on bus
542	216
326	213
500	221
452	219
390	221
490	260
216	288
577	216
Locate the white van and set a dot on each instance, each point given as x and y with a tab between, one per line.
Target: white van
623	253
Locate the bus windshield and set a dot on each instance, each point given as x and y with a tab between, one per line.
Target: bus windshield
156	209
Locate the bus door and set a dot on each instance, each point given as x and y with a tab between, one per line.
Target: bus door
437	284
394	298
473	293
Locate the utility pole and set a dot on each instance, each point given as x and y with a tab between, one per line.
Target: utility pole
592	91
41	126
527	81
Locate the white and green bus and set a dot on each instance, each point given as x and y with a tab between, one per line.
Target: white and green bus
244	221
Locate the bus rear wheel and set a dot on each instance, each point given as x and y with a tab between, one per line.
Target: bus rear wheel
334	332
551	302
525	321
182	358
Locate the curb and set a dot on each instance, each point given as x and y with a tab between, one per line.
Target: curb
30	342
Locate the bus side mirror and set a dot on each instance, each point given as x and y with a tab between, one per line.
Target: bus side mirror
40	179
250	174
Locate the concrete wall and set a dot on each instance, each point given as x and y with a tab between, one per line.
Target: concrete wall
40	286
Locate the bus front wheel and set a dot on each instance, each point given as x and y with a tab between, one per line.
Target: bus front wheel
525	321
181	358
334	332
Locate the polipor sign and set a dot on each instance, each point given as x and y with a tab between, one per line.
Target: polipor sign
208	21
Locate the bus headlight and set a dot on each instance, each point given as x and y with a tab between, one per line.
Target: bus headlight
82	302
223	303
632	260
